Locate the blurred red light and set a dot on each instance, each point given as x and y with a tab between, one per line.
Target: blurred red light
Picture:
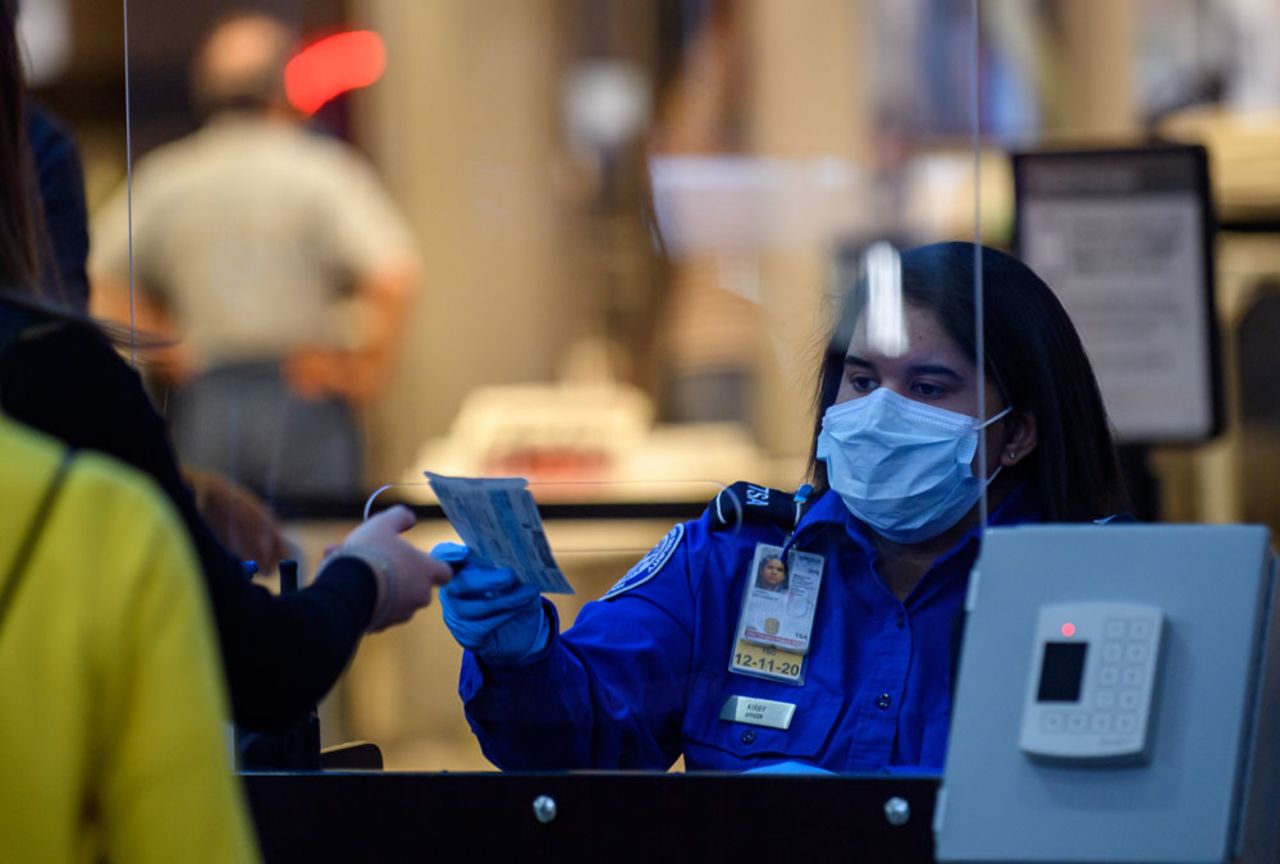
332	66
1068	629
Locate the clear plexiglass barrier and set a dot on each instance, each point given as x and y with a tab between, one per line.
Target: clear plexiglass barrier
703	273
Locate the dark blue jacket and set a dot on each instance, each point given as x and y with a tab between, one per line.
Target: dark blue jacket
642	676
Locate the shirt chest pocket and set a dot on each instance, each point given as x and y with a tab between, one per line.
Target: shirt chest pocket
715	744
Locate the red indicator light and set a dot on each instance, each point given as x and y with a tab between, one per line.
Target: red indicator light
1068	629
326	69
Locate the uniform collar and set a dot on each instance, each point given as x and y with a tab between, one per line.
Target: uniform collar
828	511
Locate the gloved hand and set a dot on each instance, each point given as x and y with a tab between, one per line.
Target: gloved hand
490	612
404	575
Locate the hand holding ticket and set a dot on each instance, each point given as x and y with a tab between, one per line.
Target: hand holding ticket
499	522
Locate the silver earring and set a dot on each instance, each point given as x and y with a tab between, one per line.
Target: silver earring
1013	454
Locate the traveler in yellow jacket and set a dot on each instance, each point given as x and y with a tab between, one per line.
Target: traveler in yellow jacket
112	743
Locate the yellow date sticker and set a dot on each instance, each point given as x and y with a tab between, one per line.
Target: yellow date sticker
766	661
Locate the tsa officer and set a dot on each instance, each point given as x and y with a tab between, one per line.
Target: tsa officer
848	669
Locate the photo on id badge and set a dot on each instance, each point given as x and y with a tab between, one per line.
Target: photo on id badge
771	575
774	613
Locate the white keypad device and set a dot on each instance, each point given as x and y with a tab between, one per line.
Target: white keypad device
1093	681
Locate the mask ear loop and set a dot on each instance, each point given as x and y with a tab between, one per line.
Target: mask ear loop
983	425
982	432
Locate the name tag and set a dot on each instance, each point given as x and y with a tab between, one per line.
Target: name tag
758	712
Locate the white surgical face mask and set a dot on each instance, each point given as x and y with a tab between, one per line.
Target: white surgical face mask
901	466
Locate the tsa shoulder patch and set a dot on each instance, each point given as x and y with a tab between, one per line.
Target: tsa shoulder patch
650	565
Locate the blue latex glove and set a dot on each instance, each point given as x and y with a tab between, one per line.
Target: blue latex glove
489	611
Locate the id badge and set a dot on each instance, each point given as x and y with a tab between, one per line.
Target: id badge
778	608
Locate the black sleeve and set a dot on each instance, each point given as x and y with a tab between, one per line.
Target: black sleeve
281	653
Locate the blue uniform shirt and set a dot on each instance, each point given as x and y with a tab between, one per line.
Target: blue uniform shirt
642	675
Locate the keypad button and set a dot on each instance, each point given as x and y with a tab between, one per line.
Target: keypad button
1115	629
1112	652
1126	724
1109	676
1136	653
1140	629
1100	723
1052	721
1130	700
1077	722
1106	698
1131	676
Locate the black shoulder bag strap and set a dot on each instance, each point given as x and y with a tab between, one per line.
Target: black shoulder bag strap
9	588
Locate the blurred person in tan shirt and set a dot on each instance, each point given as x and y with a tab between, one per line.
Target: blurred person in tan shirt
275	257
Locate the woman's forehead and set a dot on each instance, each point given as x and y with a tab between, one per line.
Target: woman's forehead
919	337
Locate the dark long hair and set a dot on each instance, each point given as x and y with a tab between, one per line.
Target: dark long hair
1033	357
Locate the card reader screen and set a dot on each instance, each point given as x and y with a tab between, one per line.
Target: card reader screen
1063	672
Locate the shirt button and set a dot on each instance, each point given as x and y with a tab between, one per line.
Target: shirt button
883	701
748	736
902	620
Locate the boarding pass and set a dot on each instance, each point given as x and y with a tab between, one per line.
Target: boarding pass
498	520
